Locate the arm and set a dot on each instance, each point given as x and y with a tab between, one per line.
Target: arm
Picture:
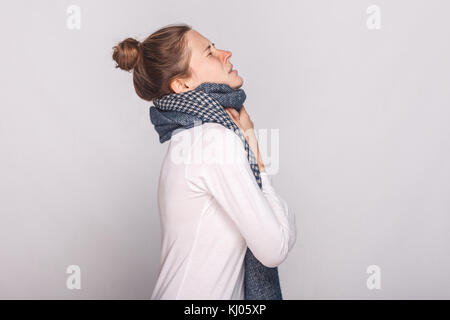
277	202
261	216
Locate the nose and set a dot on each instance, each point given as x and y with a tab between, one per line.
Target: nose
226	55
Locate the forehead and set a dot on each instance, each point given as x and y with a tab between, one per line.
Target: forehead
197	42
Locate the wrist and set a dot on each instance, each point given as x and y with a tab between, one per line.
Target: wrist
254	146
261	166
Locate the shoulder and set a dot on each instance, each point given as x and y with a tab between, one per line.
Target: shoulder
208	133
216	155
213	129
216	128
200	130
222	142
208	144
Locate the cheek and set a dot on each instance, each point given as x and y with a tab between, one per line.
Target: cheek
207	69
210	69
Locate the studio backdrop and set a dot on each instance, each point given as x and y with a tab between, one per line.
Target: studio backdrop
350	98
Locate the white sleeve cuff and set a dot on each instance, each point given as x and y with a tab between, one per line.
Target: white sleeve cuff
266	180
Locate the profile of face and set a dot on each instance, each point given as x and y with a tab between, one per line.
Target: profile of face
207	64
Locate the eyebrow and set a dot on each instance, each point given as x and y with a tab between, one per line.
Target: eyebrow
208	47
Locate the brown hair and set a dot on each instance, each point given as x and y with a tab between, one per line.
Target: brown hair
156	61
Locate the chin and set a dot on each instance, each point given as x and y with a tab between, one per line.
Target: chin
237	83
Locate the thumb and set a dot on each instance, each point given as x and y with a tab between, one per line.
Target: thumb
235	113
230	112
242	111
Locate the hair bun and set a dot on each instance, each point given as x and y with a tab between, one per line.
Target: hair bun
127	54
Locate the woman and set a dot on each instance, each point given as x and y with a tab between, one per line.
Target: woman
224	228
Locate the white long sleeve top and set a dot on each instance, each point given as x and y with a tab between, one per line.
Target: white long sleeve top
211	208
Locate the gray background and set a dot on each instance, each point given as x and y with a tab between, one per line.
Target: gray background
364	143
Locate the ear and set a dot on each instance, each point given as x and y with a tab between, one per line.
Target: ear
179	85
176	85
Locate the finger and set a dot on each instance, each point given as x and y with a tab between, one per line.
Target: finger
235	113
232	116
229	112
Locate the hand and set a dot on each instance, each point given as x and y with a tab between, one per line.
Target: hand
245	124
245	120
234	115
241	119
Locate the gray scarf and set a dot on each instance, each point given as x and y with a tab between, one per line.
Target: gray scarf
205	103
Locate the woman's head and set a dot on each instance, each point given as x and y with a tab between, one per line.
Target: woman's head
175	58
207	64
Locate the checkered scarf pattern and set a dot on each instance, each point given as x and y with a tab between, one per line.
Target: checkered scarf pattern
206	102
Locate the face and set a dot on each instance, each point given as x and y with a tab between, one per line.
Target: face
208	64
